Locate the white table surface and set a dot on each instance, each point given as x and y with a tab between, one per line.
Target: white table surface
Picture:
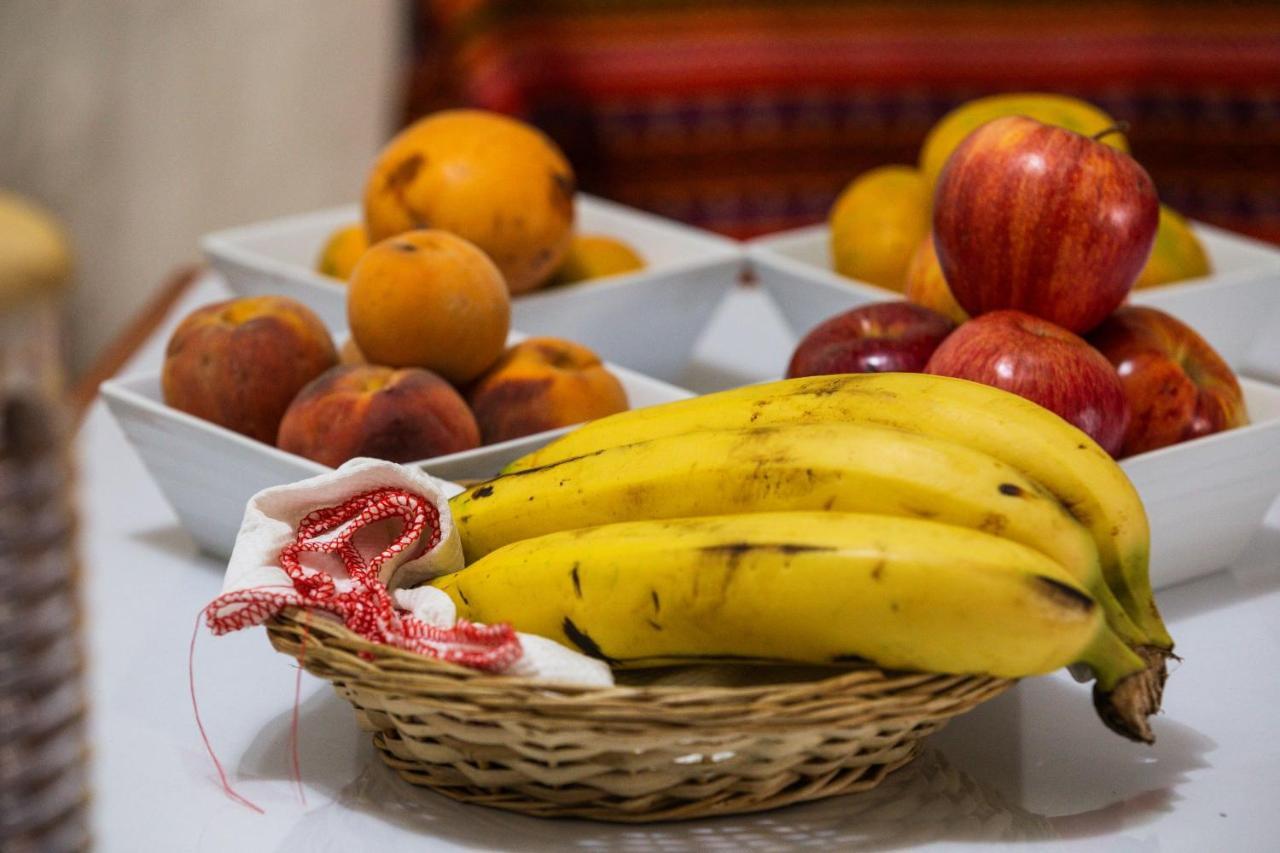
1032	765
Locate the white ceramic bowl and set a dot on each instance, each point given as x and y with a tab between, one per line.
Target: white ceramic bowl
1237	309
1207	498
208	473
648	320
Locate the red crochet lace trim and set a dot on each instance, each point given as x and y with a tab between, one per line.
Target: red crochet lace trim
367	608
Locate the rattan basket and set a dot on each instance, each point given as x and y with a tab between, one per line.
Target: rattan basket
631	754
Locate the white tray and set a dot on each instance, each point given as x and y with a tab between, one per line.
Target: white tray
1237	309
666	305
208	473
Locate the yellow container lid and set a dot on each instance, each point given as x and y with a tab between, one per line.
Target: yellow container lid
34	256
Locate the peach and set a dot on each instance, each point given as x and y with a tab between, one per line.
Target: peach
239	363
363	410
541	384
429	299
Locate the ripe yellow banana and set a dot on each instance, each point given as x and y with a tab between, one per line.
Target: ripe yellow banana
1046	448
845	467
810	587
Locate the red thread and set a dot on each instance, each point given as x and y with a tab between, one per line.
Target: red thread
365	607
195	707
293	732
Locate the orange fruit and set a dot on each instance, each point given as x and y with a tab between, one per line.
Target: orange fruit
429	299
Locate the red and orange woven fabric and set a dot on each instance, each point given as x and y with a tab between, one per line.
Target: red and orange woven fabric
748	117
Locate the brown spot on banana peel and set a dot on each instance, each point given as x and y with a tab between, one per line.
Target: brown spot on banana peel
583	641
1063	595
482	492
577	583
523	472
855	659
993	523
1011	489
735	550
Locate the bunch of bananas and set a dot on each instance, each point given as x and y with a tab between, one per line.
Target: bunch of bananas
915	522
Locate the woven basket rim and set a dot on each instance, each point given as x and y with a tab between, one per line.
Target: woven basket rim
626	753
316	624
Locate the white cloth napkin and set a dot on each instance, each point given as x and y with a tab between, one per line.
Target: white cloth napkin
543	659
271	521
272	516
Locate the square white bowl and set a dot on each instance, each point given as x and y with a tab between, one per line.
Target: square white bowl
1207	498
1237	308
207	473
648	320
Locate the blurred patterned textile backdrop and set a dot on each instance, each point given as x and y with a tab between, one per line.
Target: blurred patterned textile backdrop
748	117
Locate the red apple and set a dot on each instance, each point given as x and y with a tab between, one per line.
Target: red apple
1178	387
877	338
1045	363
1042	220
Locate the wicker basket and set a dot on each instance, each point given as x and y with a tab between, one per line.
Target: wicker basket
631	754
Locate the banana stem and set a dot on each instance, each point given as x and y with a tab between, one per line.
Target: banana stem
1111	659
1129	686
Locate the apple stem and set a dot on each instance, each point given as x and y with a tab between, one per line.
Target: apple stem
1118	127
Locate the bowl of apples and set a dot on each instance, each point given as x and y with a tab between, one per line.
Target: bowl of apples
878	244
1039	234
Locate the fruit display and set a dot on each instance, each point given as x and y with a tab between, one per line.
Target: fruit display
1177	386
1065	461
906	520
429	299
809	587
240	363
876	224
1039	219
1044	363
541	384
1041	225
492	180
266	367
876	338
401	415
593	256
840	467
898	194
